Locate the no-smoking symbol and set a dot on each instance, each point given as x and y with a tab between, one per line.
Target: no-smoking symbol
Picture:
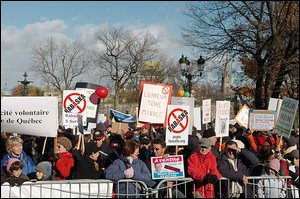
75	101
178	120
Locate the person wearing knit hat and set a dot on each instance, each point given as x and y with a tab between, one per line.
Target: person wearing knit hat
14	171
10	162
64	161
271	187
64	142
44	170
293	157
211	135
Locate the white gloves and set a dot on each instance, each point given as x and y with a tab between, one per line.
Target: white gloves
129	172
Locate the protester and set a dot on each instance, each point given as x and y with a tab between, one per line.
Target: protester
233	164
15	177
14	148
271	188
64	161
129	166
293	157
210	134
202	167
44	171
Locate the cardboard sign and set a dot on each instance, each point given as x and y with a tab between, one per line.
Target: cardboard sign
286	117
178	121
154	102
206	108
261	120
222	118
37	116
166	168
242	118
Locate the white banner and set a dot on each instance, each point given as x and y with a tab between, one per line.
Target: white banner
206	110
286	117
37	116
154	102
186	101
178	121
222	118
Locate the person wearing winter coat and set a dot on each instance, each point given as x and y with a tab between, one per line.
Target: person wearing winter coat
44	171
64	161
129	166
293	158
273	187
14	172
234	164
14	148
202	167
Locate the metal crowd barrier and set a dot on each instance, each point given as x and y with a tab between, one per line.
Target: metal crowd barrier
86	188
102	188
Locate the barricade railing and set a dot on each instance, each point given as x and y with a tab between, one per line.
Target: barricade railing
86	188
127	188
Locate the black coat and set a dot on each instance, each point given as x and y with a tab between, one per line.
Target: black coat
245	161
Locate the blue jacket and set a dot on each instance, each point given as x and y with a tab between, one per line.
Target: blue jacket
116	170
29	168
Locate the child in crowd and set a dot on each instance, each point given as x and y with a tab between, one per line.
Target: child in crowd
271	187
44	171
14	171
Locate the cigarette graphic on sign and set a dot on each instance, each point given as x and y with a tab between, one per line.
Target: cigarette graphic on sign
172	168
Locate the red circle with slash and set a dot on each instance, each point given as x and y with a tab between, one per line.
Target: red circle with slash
69	98
165	90
173	115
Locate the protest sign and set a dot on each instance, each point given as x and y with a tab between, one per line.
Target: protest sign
167	167
37	116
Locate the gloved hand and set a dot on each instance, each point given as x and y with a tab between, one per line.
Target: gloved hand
213	179
129	172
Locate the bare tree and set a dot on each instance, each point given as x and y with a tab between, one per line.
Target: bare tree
58	63
122	54
264	32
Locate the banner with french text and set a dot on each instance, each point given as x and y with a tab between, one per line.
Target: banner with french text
37	116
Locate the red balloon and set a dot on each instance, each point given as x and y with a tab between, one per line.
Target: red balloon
101	92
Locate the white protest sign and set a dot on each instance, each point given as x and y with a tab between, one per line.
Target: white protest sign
168	167
177	125
222	118
261	120
91	108
186	101
154	102
74	101
286	116
197	118
242	118
37	116
206	110
272	104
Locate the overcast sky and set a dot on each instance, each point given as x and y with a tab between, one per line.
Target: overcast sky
24	24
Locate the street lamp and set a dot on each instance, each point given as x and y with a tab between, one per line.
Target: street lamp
184	67
25	82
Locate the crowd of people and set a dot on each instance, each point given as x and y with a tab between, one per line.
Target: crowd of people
126	155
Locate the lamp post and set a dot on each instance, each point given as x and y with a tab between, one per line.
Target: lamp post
25	82
185	70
